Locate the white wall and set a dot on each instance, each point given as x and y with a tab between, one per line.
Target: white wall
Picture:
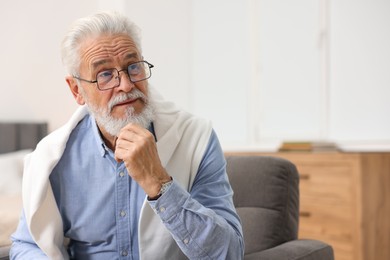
262	70
289	73
221	67
360	69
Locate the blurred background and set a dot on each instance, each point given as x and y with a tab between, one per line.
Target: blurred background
264	71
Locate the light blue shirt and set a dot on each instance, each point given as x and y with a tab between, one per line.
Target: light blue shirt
100	205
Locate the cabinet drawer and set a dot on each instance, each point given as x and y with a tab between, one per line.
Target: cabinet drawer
335	221
331	224
325	184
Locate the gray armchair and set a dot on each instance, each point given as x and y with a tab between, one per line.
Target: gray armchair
266	196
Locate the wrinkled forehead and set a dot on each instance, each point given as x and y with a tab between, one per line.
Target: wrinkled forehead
95	50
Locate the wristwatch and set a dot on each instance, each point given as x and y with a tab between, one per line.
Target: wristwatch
164	187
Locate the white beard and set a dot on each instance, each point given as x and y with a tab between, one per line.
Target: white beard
113	125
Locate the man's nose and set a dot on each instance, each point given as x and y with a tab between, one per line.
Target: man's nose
125	84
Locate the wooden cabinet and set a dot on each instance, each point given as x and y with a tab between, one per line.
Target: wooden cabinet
345	201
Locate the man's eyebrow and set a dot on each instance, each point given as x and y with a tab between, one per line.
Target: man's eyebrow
96	64
131	55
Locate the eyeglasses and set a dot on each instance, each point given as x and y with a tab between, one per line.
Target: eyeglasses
109	79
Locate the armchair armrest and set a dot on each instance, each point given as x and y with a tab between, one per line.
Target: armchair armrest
303	249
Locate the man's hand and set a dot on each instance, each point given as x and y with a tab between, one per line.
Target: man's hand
137	148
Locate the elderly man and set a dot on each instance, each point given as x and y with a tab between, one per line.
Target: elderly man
129	176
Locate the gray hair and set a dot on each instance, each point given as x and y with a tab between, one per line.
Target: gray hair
94	25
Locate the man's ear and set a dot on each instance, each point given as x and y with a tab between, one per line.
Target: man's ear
75	89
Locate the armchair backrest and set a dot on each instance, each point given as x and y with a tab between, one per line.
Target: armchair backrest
266	196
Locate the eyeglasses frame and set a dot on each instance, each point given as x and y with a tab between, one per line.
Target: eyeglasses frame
125	70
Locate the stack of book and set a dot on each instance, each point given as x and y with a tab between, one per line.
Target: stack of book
312	146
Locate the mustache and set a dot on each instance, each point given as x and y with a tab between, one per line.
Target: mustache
134	94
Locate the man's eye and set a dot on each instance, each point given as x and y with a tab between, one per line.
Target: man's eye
105	74
134	69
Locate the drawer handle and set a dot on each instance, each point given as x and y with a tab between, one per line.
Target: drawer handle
304	176
305	214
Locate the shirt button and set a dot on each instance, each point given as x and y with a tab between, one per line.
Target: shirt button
124	253
162	209
185	241
121	174
123	213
